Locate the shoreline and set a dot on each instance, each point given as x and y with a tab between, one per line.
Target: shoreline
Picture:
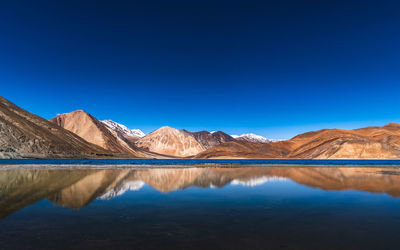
39	166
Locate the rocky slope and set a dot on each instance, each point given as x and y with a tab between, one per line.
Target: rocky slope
364	143
23	134
208	140
247	150
96	132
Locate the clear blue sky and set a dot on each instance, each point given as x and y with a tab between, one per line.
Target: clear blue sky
276	68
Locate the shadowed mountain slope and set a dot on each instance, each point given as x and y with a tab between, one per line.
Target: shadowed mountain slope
208	140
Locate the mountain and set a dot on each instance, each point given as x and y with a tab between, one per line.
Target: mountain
252	138
96	132
23	134
365	143
240	149
129	133
208	140
170	141
181	143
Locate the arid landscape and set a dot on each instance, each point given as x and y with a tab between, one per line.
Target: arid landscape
80	135
204	125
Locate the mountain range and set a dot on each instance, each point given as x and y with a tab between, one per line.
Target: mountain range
80	135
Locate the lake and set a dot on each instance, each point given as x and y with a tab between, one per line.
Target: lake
206	204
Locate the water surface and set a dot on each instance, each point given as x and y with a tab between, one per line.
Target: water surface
204	207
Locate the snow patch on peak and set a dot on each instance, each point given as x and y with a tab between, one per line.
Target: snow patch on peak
252	137
123	129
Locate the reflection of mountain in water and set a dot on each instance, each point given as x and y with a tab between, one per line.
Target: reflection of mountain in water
257	181
120	190
77	188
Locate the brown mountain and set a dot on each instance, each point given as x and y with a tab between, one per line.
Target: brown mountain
209	140
170	141
94	131
247	150
365	143
23	134
181	143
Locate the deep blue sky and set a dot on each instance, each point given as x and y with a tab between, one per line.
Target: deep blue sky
276	68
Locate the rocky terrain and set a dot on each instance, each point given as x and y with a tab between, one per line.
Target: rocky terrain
131	135
25	135
208	140
365	143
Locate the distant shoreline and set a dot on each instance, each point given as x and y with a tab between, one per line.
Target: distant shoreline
190	163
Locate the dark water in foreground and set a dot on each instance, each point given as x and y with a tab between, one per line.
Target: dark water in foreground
248	207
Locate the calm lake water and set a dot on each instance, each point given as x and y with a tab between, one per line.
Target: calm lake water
194	206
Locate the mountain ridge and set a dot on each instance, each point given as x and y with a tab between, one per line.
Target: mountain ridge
25	135
363	143
78	135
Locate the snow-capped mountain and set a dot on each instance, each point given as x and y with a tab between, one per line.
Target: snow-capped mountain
252	138
137	133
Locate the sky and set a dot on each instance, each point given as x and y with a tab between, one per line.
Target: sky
276	68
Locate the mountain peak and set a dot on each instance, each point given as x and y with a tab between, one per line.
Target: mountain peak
393	124
166	129
89	128
136	133
252	138
170	141
79	111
